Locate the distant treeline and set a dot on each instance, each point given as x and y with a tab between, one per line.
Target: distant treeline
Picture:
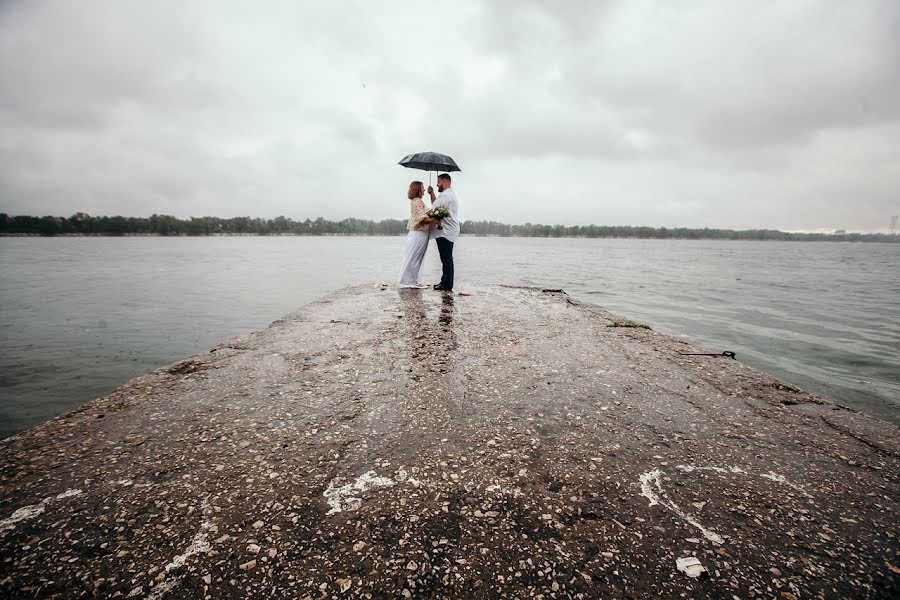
84	224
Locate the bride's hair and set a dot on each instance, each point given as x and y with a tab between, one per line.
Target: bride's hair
419	187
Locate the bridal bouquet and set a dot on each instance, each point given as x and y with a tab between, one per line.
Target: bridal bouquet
438	212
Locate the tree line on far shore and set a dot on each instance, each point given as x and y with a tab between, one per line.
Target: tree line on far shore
167	225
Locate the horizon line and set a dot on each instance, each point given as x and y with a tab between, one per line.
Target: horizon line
813	231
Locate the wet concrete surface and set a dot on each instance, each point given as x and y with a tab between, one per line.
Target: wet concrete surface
403	443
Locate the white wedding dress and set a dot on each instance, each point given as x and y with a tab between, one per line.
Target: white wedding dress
416	246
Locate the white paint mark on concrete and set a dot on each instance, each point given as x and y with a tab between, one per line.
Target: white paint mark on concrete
22	514
346	497
68	494
647	481
772	476
722	470
199	544
651	488
32	510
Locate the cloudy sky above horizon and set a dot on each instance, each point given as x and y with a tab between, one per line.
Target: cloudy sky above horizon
721	114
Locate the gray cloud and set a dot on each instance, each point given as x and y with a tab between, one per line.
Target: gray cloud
702	114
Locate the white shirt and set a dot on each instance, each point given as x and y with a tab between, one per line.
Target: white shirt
450	225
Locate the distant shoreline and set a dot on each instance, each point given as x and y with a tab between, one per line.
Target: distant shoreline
84	225
856	238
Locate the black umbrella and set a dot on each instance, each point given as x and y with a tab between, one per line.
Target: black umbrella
429	161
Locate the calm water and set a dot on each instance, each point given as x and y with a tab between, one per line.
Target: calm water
80	316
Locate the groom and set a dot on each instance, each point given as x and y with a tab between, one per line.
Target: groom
447	232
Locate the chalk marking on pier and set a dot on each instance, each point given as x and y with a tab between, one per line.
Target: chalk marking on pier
22	514
199	544
68	494
771	475
32	510
723	470
653	479
346	497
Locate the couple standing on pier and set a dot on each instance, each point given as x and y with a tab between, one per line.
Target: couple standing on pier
423	227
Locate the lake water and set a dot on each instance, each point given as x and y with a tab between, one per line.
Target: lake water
80	316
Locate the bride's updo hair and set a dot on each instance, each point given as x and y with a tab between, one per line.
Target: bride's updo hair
418	189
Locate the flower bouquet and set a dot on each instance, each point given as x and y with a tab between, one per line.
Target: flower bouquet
438	212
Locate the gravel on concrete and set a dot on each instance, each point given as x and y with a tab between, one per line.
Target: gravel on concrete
405	443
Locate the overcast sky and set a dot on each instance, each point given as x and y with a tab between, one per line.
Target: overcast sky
698	113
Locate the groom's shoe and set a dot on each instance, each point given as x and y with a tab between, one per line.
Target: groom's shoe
441	288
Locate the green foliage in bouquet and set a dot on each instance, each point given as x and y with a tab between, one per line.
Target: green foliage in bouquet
439	212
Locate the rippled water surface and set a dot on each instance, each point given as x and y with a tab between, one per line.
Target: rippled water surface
80	316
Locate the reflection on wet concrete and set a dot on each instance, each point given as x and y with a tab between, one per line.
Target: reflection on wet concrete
432	340
447	306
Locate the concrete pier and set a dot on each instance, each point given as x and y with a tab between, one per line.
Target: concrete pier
510	443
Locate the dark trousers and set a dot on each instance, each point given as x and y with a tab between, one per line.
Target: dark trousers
445	248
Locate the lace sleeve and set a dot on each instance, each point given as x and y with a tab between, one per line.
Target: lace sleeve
418	212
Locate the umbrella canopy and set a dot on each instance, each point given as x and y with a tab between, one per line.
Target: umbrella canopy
430	161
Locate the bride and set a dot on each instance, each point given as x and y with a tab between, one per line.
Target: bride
416	239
